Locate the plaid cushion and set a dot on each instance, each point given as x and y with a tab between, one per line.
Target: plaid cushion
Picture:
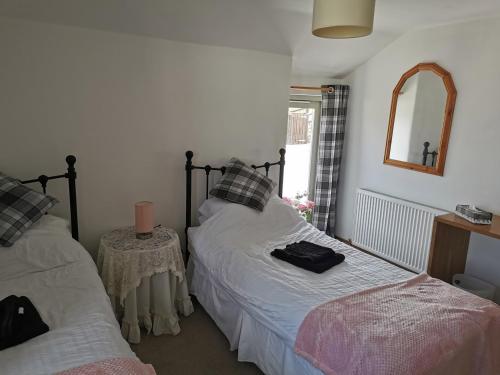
244	185
20	207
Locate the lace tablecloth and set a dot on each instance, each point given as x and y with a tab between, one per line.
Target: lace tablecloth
124	260
144	278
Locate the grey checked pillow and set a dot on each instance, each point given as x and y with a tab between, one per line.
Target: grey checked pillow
244	185
20	207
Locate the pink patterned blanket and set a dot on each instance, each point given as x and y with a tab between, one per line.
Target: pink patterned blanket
419	326
114	366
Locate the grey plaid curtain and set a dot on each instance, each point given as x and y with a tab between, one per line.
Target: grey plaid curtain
331	141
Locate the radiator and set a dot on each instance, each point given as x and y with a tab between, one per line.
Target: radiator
394	229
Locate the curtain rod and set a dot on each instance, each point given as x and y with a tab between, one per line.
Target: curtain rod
312	88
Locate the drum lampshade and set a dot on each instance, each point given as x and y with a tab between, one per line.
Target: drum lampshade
341	19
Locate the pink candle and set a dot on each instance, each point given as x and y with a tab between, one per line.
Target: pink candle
144	217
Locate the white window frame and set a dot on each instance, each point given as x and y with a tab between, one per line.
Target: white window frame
310	101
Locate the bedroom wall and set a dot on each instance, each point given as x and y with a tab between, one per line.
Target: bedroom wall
470	52
129	107
312	80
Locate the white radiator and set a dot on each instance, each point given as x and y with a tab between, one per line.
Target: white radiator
394	229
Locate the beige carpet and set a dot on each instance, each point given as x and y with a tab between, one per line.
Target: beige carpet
200	348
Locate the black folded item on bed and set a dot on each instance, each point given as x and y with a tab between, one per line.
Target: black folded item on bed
309	256
19	321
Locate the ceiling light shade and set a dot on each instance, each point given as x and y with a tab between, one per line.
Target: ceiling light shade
340	19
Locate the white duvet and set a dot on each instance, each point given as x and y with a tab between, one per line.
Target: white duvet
58	275
234	245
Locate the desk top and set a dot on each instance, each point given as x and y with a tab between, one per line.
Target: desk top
491	230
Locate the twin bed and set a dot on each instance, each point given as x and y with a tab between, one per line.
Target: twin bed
57	274
260	302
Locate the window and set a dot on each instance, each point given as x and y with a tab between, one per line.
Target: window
301	146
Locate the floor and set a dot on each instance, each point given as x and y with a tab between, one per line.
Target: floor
200	349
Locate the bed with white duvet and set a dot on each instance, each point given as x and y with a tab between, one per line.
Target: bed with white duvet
259	301
58	275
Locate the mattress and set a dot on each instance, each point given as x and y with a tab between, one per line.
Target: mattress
58	275
231	252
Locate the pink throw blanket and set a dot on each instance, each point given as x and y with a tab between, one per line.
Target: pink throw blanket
114	366
419	326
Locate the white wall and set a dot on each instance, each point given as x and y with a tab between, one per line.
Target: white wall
471	52
129	107
312	80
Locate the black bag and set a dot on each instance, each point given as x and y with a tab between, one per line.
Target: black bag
19	321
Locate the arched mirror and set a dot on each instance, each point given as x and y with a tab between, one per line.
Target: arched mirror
420	120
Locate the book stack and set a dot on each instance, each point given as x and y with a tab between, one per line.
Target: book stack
473	214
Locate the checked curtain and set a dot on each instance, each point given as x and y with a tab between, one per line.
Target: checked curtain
331	141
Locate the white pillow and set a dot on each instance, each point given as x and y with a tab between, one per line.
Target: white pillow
48	244
210	207
52	224
202	218
240	227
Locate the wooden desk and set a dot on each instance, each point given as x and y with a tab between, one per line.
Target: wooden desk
450	243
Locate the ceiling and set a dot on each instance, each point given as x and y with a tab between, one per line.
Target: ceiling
278	26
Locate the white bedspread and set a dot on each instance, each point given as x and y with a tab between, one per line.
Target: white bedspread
57	274
234	245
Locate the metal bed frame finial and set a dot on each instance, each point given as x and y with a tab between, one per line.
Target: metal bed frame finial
70	175
426	153
268	165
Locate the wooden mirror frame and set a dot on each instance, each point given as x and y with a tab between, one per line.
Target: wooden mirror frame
438	169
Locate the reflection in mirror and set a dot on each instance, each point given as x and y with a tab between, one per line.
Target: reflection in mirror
419	119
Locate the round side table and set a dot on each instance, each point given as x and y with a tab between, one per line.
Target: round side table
145	280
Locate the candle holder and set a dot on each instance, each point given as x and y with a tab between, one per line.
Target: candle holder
144	220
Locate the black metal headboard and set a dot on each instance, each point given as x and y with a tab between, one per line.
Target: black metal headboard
71	176
207	168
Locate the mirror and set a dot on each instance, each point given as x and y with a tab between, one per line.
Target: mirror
420	120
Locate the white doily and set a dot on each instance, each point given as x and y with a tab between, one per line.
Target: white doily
123	260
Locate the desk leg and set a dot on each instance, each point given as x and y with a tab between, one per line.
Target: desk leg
448	252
